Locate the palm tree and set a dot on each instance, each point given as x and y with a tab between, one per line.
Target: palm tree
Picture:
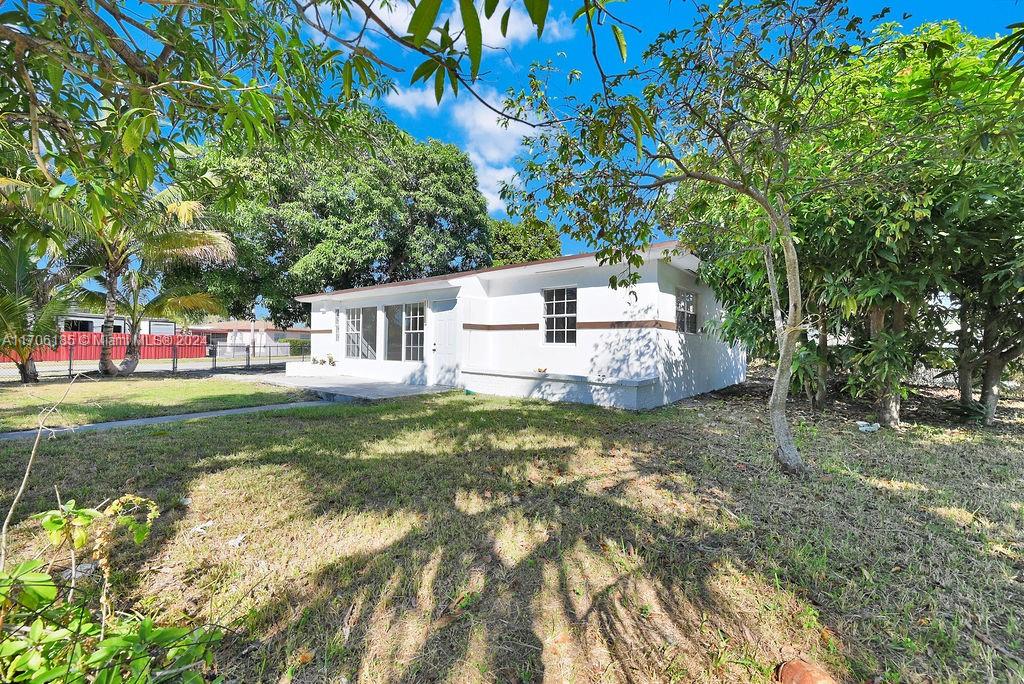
36	289
140	295
160	228
164	228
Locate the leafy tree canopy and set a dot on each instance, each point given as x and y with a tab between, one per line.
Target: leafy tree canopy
517	243
104	96
310	221
930	118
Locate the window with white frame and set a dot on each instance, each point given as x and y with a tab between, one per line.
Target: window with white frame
560	315
404	331
415	320
686	312
361	333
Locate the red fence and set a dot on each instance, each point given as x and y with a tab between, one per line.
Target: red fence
85	346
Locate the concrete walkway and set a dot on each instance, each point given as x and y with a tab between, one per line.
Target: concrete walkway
157	420
344	388
341	389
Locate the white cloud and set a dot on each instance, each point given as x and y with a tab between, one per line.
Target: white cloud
397	13
491	179
490	144
520	28
557	29
486	137
395	16
413	100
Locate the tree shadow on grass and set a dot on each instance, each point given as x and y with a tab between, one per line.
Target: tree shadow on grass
450	538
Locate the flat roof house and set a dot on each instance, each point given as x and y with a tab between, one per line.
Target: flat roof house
550	329
252	333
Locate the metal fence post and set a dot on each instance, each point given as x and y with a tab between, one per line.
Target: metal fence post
213	356
174	357
270	355
71	360
247	356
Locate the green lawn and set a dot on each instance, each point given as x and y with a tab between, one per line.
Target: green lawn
97	400
458	538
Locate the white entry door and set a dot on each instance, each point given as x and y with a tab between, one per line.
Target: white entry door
444	365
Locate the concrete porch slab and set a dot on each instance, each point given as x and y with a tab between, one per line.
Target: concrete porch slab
343	388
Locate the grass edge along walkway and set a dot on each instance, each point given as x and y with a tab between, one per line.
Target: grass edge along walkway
156	420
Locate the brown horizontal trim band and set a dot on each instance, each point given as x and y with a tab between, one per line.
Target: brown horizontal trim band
325	330
501	326
619	325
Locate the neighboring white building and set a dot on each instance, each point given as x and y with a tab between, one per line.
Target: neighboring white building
550	329
260	337
85	321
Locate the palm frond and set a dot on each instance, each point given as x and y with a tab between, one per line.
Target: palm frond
63	218
183	305
186	212
188	245
93	301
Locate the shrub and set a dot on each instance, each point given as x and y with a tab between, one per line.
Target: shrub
63	627
296	347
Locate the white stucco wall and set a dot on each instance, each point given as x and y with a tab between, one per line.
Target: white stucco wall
519	299
324	345
693	363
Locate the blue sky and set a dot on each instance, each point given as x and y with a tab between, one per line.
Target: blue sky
493	149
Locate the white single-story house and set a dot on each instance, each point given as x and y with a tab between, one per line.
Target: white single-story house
550	329
77	320
233	337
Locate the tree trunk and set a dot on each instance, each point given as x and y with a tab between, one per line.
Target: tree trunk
107	366
789	335
27	370
965	383
821	393
131	353
990	388
888	399
889	409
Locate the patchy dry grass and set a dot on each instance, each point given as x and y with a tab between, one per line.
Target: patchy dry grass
460	538
94	400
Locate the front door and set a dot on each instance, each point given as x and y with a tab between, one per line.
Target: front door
444	365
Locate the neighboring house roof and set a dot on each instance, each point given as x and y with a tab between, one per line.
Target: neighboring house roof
244	326
531	266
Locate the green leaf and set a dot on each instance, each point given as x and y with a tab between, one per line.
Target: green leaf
538	11
504	21
50	675
424	70
439	85
620	39
423	19
346	74
637	132
132	137
474	36
489	7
